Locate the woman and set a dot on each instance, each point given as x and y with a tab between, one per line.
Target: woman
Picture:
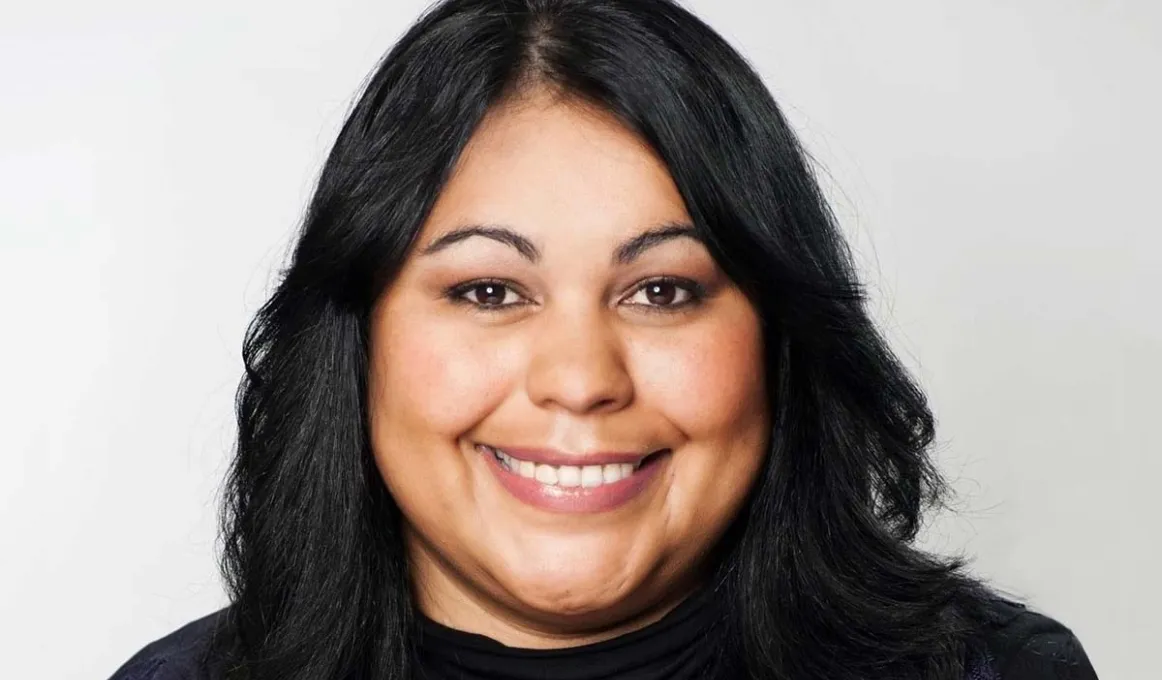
571	376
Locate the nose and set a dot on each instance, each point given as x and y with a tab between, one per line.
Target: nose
578	364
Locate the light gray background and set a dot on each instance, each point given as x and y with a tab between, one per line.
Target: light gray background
994	163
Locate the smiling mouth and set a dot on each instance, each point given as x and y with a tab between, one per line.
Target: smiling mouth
584	476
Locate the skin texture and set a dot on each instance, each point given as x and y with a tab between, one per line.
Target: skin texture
585	359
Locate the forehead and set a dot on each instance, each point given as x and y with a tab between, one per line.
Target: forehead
549	166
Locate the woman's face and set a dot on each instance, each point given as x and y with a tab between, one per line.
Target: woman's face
620	375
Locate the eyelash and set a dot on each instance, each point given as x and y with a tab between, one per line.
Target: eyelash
695	291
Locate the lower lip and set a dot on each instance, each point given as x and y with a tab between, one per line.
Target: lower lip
575	499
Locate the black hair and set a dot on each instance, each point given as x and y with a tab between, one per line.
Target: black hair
819	568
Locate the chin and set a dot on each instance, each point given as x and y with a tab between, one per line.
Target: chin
572	610
571	592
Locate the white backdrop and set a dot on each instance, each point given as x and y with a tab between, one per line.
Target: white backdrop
994	163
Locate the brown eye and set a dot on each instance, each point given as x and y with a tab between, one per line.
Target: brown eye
667	294
485	295
661	293
488	294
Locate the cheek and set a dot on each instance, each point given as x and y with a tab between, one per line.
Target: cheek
429	384
430	375
708	380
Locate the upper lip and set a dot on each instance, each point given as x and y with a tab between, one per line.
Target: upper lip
555	457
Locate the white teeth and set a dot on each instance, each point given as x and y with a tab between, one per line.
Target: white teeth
587	476
591	476
611	472
569	475
546	474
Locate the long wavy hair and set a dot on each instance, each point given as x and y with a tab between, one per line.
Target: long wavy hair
819	568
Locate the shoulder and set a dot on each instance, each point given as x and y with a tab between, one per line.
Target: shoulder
1018	643
179	655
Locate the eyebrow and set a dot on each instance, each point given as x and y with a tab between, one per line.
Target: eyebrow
626	252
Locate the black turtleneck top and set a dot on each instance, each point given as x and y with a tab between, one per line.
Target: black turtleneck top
1018	644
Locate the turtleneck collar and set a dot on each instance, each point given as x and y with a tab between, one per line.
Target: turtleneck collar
681	645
